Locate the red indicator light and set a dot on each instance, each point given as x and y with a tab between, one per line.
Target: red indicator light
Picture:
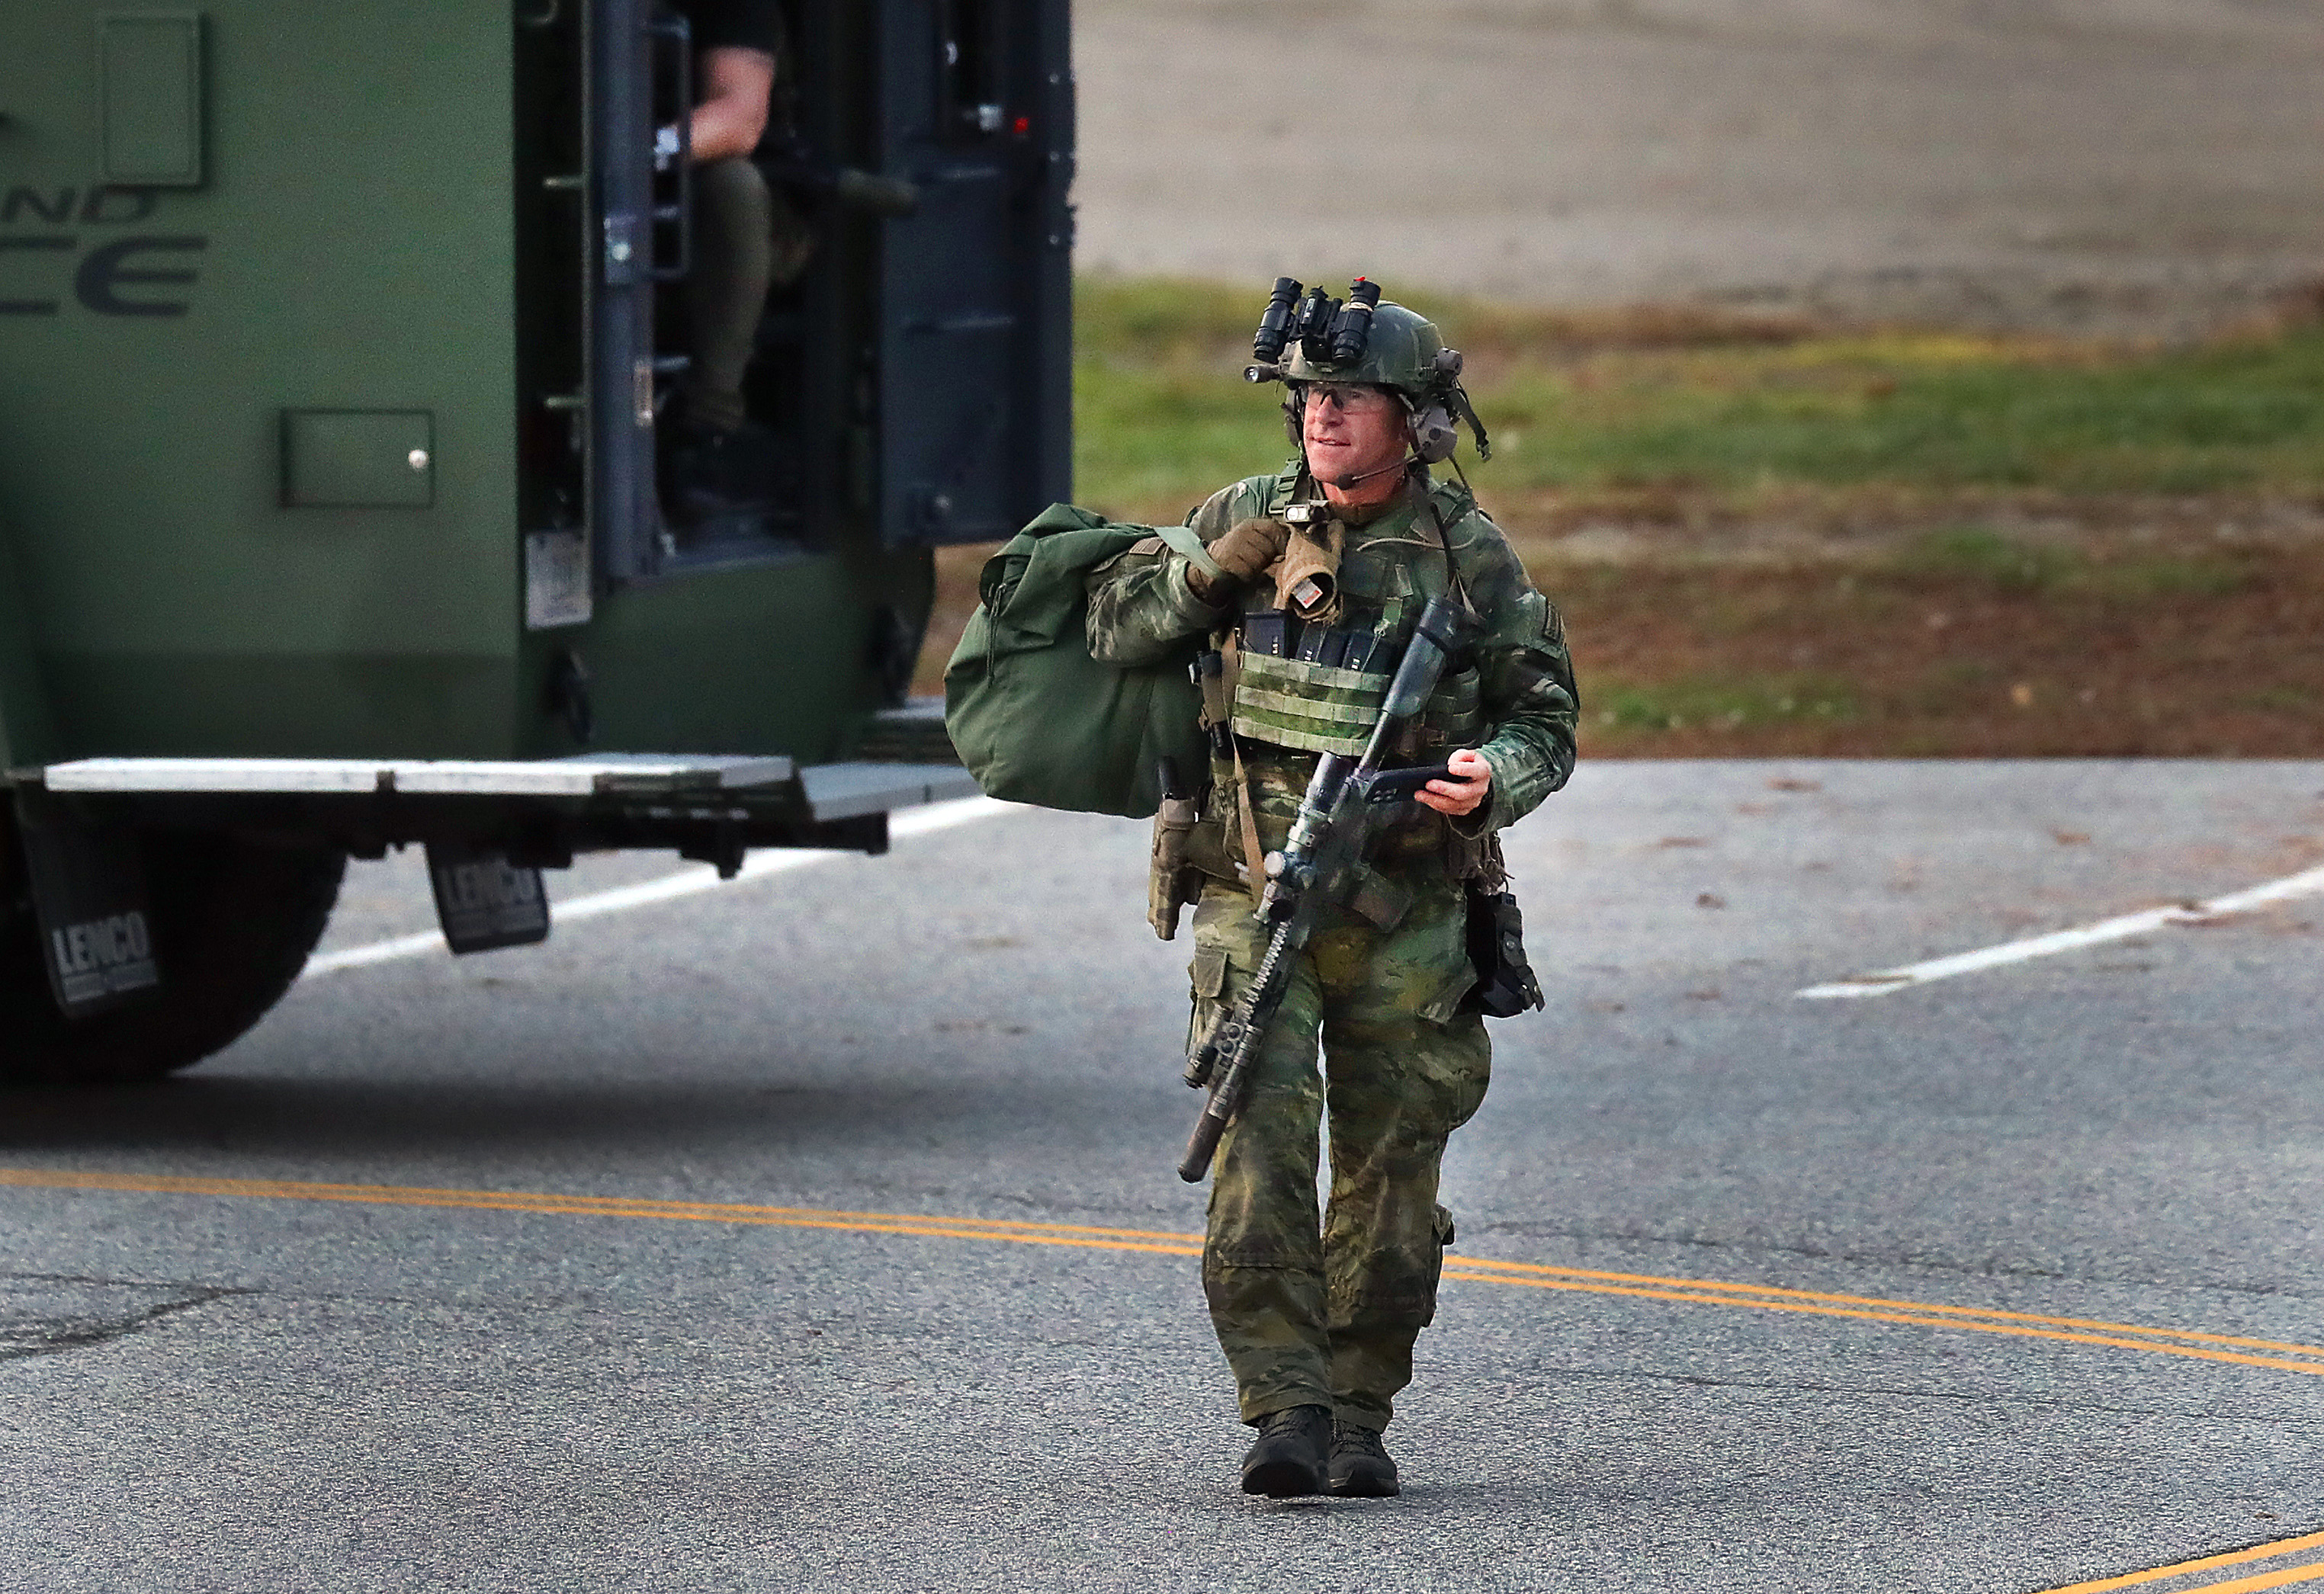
1024	125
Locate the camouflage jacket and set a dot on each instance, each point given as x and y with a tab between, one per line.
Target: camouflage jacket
1143	613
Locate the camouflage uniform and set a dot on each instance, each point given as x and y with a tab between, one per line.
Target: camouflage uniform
1325	1313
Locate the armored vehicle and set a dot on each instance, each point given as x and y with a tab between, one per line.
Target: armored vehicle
336	344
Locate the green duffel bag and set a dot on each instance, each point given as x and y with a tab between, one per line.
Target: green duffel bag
1035	718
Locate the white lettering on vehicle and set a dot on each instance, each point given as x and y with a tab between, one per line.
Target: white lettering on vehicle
103	957
490	886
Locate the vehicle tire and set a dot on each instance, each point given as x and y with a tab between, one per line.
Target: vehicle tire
233	920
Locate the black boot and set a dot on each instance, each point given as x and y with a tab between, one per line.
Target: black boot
710	474
1288	1457
1360	1467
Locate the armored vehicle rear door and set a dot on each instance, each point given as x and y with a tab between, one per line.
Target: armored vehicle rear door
974	369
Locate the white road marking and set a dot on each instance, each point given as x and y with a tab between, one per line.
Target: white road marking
2307	883
685	882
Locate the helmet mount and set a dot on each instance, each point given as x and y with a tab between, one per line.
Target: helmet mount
1306	336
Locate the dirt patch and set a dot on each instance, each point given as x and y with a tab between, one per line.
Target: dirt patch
2152	655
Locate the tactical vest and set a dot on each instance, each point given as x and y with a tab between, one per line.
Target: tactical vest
1323	708
1318	688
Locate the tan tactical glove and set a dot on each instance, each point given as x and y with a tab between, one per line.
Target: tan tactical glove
1249	548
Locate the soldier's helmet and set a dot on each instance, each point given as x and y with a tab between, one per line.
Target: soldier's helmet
1364	339
1400	353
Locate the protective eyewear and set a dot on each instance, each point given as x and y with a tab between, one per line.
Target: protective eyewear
1347	397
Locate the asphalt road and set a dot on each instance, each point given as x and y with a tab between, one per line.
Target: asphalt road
613	1304
2119	165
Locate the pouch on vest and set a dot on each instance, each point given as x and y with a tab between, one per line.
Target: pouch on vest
1033	716
1506	985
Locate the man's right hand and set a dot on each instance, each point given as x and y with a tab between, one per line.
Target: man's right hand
1249	548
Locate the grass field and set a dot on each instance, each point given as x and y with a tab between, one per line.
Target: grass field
1770	537
1734	407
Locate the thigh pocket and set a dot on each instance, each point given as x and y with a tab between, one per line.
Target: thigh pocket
1443	1232
1444	1003
1208	973
1208	976
1428	960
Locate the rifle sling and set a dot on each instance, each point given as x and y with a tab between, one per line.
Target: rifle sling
1229	678
1254	857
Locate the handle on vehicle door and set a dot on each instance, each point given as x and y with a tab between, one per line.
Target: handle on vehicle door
680	33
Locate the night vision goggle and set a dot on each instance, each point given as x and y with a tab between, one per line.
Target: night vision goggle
1330	331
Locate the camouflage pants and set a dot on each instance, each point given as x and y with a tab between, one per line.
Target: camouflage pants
1325	1313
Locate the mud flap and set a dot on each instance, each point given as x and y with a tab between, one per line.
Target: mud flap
484	902
89	902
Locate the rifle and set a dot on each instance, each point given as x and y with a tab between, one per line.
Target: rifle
1346	803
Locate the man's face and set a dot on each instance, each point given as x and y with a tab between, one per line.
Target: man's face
1350	429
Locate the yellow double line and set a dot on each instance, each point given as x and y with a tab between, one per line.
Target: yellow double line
2279	1355
2080	1331
618	1206
2279	1578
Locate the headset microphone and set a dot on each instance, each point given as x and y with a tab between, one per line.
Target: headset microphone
1356	479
